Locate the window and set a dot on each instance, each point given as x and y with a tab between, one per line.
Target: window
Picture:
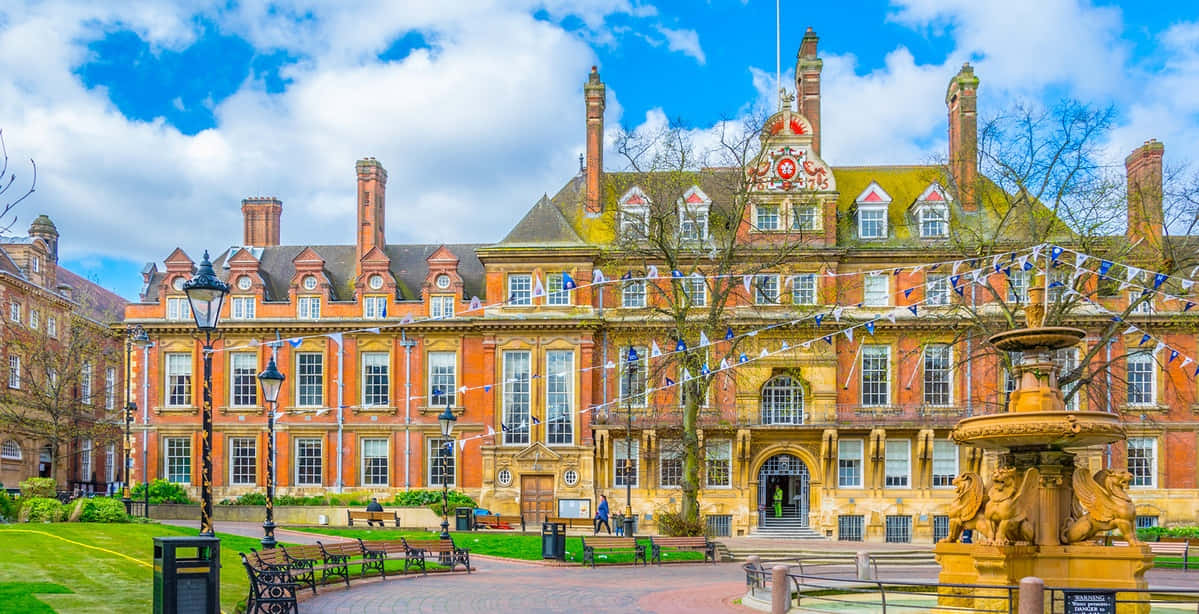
559	408
570	476
242	308
768	217
876	291
670	464
805	218
308	308
934	222
310	283
696	290
178	308
440	307
376	386
849	463
441	461
634	223
632	294
516	397
179	379
52	327
876	375
945	463
85	383
37	264
782	401
624	462
718	463
14	371
1145	307
85	460
766	289
1009	377
1146	522
309	461
110	388
1058	277
442	378
849	527
898	460
936	290
693	224
634	389
243	373
14	312
1067	359
243	461
872	223
938	378
940	527
310	379
1142	461
719	525
555	294
899	529
1017	289
179	460
803	289
504	477
375	307
1141	372
35	319
10	450
520	290
374	462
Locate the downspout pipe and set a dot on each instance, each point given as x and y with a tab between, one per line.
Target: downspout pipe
146	412
341	386
407	344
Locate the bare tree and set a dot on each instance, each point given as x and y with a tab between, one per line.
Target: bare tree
9	201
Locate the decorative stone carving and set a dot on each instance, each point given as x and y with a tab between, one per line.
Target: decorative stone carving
1102	504
966	510
1010	506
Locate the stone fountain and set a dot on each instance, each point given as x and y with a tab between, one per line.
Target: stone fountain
1040	513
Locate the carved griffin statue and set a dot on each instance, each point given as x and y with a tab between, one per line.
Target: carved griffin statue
1101	504
1009	507
966	511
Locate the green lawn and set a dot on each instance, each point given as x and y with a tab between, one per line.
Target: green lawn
508	545
71	578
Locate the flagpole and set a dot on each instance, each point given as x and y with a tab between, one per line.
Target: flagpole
778	50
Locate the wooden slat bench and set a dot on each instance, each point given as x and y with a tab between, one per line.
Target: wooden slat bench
496	521
302	572
354	553
378	550
585	523
368	517
272	591
330	565
612	544
449	554
1180	549
681	543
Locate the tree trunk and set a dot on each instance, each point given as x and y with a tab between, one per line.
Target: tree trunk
690	510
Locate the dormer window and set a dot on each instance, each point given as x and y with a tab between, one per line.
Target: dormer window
634	215
872	206
932	212
693	215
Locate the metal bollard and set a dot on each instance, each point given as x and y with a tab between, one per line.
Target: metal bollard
865	569
780	590
1032	595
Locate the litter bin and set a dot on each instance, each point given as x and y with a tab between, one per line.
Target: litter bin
553	540
630	526
464	519
187	575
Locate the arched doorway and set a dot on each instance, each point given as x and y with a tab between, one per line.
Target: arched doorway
786	472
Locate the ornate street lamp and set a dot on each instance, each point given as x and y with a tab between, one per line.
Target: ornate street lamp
206	294
271	381
447	420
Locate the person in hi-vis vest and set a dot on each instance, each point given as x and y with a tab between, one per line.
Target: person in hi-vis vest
778	501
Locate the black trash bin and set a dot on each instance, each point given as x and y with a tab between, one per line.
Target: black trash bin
187	575
630	526
553	540
464	519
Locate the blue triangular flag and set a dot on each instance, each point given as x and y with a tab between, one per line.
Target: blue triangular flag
954	279
449	445
295	343
568	282
1187	306
870	327
743	358
728	334
912	308
1159	279
504	427
632	356
828	339
669	382
681	346
703	369
1055	252
1056	284
819	318
896	271
960	290
1104	267
1007	271
1144	338
486	387
908	293
536	421
1173	355
627	275
676	273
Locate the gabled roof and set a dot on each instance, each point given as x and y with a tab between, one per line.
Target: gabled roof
544	224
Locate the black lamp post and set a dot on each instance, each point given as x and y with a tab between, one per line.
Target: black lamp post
271	381
206	295
447	420
134	335
631	373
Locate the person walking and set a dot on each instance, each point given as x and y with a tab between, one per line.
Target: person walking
601	515
374	506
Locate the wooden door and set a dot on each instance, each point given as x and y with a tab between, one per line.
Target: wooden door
536	498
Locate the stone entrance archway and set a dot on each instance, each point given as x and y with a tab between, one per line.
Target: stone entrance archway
789	473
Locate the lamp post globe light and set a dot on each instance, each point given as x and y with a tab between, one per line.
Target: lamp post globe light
271	381
134	336
206	295
446	420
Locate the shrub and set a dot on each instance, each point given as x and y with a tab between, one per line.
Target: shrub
161	491
349	499
432	499
43	509
104	509
9	508
1156	533
672	524
39	487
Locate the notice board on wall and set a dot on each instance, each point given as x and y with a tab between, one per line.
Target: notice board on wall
574	508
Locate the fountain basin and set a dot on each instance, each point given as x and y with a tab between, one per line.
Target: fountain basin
1057	429
1047	337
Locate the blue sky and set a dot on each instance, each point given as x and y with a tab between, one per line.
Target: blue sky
151	121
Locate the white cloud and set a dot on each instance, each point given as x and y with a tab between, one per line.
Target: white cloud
684	41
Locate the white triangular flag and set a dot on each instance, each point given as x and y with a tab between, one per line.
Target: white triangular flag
724	363
653	272
763	353
1079	259
1159	347
805	345
336	337
686	374
610	365
538	289
747	281
703	339
1187	284
957	264
1186	360
461	444
918	268
1130	330
597	277
654	350
784	346
1131	272
849	334
462	389
1123	285
837	313
891	316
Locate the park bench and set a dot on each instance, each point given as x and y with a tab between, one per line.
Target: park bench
680	544
355	555
1180	549
448	554
585	523
612	544
301	571
330	565
377	550
495	521
368	517
272	590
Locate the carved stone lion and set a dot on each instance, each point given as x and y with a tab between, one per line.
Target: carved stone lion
966	511
1010	505
1101	504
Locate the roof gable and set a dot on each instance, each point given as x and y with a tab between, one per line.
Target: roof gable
873	194
543	224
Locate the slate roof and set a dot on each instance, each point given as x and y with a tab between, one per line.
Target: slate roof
544	224
102	305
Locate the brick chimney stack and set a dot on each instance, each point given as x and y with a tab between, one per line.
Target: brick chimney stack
594	94
962	101
807	83
372	188
1144	169
260	217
